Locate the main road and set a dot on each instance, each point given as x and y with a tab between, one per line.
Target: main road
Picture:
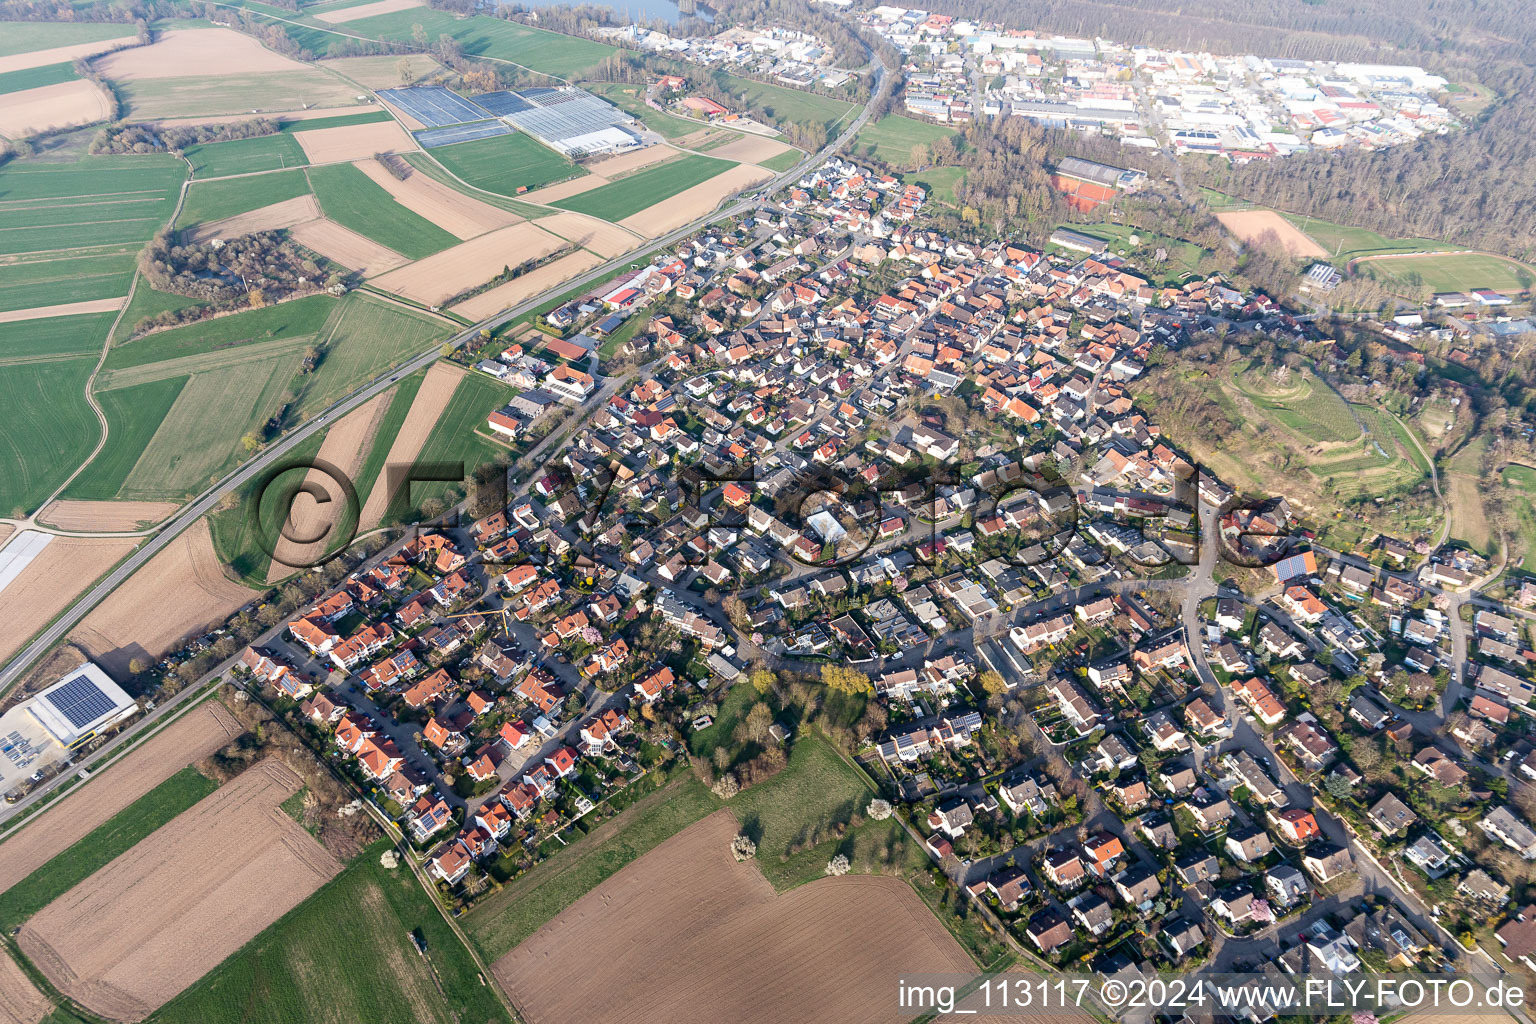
273	455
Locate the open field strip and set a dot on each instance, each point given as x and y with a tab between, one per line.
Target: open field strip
619	199
245	156
347	14
284	116
160	916
35	78
505	296
383	72
346	247
364	337
453	211
614	167
436	278
113	36
1253	226
92	203
48	428
64	309
433	397
785	104
109	840
353	200
20	1001
892	138
49	107
65	514
202	362
344	447
1463	473
457	435
497	38
353	141
695	202
601	237
504	163
209	201
286	214
347	949
67	821
565	189
64	278
194	53
753	149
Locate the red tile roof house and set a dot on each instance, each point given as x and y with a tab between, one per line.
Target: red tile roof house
563	761
314	633
495	818
519	798
541	691
428	816
379	760
362	645
513	734
483	766
598	734
649	689
428	689
451	863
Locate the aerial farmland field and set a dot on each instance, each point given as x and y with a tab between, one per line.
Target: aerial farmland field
18	37
47	431
352	199
133	414
215	200
50	279
532	48
620	199
242	156
95	201
364	338
505	163
891	138
36	78
54	336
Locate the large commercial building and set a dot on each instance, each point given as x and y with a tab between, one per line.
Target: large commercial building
42	730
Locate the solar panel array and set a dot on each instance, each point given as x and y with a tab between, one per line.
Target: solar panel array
81	702
434	137
433	105
559	114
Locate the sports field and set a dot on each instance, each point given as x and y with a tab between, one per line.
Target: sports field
117	835
48	428
214	200
533	48
242	156
57	278
620	199
95	201
1451	272
1345	243
505	163
356	201
890	139
347	949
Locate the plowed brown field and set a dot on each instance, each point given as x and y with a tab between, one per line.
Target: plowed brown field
445	274
20	1001
190	738
153	921
286	214
52	106
718	944
346	247
353	141
504	296
695	202
51	581
430	401
105	515
452	211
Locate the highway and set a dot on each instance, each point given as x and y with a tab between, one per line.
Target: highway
273	455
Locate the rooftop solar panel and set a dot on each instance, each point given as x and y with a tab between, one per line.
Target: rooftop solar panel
80	701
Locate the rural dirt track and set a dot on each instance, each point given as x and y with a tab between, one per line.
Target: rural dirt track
345	447
20	1001
1251	225
628	163
281	115
719	944
454	212
346	247
190	738
153	921
353	141
53	106
63	309
601	237
347	14
178	593
51	580
510	294
693	203
445	274
194	53
104	515
430	401
286	214
750	149
60	54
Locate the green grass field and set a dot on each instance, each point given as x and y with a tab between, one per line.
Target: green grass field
939	181
1303	404
364	339
504	919
432	169
147	302
1520	497
95	201
47	431
1454	272
1183	257
345	954
287	320
28	36
549	52
117	835
505	163
1521	478
267	153
54	336
619	199
36	78
891	139
60	279
453	437
1350	242
790	105
215	200
149	98
354	200
234	542
1463	482
389	427
783	162
133	414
